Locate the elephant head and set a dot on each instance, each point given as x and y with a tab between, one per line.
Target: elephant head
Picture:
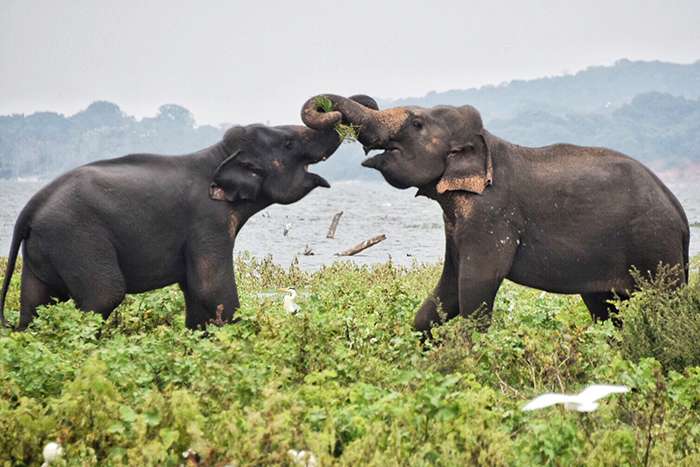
443	147
271	163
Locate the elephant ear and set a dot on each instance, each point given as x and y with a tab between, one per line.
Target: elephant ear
365	100
468	167
236	179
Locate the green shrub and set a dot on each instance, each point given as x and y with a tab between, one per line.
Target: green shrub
662	322
347	378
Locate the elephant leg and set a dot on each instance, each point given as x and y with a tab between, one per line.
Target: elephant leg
481	272
94	279
34	293
600	309
210	283
445	295
476	298
105	297
196	315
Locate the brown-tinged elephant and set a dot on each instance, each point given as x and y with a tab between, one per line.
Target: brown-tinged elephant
144	221
561	218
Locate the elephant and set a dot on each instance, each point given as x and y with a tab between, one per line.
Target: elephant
561	218
144	221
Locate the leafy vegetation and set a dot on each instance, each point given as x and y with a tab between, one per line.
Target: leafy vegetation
661	323
346	378
47	143
346	132
656	128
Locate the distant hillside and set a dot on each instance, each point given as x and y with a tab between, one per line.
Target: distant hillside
47	143
658	129
649	110
593	89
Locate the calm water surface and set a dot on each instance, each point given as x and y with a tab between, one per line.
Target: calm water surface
413	226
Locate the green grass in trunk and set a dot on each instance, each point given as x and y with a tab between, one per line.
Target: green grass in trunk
346	132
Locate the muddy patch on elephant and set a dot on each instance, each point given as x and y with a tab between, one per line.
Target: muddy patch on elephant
391	120
474	184
456	206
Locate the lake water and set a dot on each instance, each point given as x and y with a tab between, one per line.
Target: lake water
413	226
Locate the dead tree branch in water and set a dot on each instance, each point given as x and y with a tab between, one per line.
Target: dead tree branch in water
334	225
362	246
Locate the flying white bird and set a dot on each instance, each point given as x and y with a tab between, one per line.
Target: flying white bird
52	451
290	306
302	458
585	401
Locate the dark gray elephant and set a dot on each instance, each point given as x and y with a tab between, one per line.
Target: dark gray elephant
561	218
144	221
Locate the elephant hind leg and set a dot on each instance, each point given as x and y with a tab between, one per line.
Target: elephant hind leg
34	293
599	307
94	280
101	295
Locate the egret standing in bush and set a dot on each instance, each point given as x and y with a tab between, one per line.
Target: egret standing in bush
52	452
290	306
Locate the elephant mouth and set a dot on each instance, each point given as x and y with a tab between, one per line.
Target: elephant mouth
316	179
311	159
387	148
216	192
377	161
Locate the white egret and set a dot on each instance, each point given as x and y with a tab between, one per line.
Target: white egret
287	228
302	458
52	451
585	401
290	306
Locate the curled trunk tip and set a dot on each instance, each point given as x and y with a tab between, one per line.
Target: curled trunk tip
360	111
317	113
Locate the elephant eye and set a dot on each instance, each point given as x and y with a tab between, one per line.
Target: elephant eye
417	124
289	144
251	167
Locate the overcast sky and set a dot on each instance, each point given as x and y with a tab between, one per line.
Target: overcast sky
257	61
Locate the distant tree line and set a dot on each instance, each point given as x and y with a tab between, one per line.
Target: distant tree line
658	129
649	110
46	143
654	128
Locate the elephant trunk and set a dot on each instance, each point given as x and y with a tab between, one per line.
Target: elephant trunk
360	111
322	143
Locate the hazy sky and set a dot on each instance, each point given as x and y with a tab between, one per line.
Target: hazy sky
257	61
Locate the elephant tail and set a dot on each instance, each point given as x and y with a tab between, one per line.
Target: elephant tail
686	255
20	233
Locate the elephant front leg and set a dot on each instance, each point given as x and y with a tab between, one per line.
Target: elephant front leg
445	296
481	272
476	298
210	284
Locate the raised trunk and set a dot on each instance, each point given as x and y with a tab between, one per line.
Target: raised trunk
372	124
322	142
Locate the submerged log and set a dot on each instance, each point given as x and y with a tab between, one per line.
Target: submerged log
362	246
334	225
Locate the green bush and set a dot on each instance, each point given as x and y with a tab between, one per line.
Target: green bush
662	323
347	378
